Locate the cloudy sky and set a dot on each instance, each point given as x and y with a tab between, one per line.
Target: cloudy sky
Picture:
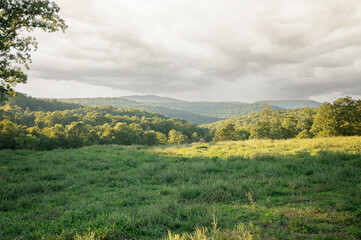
243	50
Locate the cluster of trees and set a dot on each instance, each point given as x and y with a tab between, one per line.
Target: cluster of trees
25	129
341	118
35	104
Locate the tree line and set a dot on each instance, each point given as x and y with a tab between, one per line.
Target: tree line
44	130
37	104
78	126
340	118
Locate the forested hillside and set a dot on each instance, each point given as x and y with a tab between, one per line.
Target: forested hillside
35	104
151	98
218	109
120	102
194	112
341	118
248	120
292	104
22	128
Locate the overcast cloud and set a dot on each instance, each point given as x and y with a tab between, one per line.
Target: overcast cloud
243	50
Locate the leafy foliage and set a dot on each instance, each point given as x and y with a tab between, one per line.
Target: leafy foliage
84	126
341	118
34	104
226	133
16	17
79	126
176	137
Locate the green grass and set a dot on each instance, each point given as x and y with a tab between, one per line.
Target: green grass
290	189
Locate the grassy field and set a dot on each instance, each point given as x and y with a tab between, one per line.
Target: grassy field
256	189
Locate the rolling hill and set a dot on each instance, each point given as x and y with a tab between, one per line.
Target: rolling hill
217	109
291	104
151	98
39	104
120	102
249	120
193	112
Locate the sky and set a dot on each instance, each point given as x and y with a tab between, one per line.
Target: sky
213	50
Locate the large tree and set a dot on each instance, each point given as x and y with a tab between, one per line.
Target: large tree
226	133
342	118
348	116
16	18
325	122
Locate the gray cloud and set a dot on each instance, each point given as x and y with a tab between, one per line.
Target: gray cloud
241	50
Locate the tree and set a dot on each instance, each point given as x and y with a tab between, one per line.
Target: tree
16	17
243	134
347	116
176	137
126	135
161	138
290	125
306	120
277	131
226	133
304	134
266	113
262	130
9	131
76	133
150	138
325	123
108	136
58	135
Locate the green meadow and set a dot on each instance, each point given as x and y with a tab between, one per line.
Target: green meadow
254	189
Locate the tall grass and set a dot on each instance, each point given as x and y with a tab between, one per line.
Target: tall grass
291	189
240	232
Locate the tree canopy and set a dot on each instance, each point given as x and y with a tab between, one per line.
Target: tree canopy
17	17
48	124
340	118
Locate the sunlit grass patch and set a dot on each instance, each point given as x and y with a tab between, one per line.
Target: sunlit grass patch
240	232
286	189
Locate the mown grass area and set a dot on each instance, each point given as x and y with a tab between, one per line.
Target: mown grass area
256	189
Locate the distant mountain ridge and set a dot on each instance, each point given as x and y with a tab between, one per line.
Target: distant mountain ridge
193	112
291	104
120	102
201	112
150	98
216	109
286	104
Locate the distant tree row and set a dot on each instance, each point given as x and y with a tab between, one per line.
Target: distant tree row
34	104
25	129
342	118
